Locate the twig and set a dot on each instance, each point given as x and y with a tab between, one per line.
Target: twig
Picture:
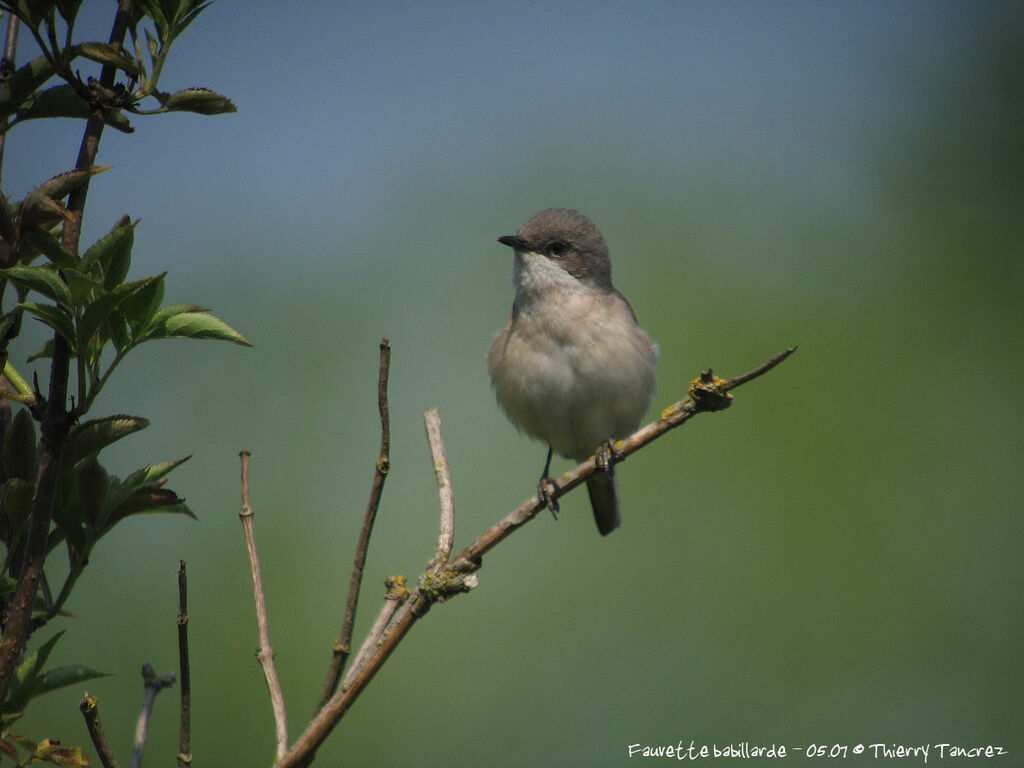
446	534
90	711
338	704
152	684
395	598
7	66
185	733
772	362
343	646
707	393
265	653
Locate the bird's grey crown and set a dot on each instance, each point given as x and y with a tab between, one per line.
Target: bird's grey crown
571	239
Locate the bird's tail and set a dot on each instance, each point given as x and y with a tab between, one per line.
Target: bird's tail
604	498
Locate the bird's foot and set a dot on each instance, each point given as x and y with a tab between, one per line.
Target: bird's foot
604	455
545	492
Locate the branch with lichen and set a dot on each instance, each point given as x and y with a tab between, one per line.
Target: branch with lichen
446	576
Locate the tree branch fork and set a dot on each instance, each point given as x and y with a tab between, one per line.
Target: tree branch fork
445	575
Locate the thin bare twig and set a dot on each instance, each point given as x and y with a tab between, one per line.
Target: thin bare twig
185	732
395	598
343	646
265	653
446	534
707	393
90	711
338	704
152	684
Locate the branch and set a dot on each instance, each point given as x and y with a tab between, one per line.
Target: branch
152	685
707	393
55	420
265	653
185	733
90	712
7	66
446	534
395	597
343	647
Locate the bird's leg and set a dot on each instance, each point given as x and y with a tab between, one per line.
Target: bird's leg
603	456
546	486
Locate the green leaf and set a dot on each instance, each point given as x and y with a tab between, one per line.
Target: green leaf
91	437
93	486
70	515
187	12
22	742
6	220
45	242
44	351
199	100
152	45
7	584
96	314
153	9
10	326
150	498
81	284
116	268
39	210
171	310
36	10
8	320
112	253
16	503
51	751
102	53
63	184
117	330
196	325
56	101
140	307
26	678
153	472
102	312
62	677
22	84
55	317
19	447
69	10
142	491
34	662
115	119
41	280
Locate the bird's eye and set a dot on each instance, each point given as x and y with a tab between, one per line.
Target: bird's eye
557	248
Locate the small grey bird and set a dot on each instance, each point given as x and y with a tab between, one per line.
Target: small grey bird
571	367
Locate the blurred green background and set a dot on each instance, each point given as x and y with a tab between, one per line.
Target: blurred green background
836	559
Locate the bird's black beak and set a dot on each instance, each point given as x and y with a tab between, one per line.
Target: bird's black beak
514	241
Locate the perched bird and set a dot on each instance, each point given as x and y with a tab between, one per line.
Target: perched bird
571	367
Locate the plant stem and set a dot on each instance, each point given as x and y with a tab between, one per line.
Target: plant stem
55	419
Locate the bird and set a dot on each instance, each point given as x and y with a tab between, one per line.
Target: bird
571	367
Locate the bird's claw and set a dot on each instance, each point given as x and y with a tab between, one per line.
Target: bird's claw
603	456
545	492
